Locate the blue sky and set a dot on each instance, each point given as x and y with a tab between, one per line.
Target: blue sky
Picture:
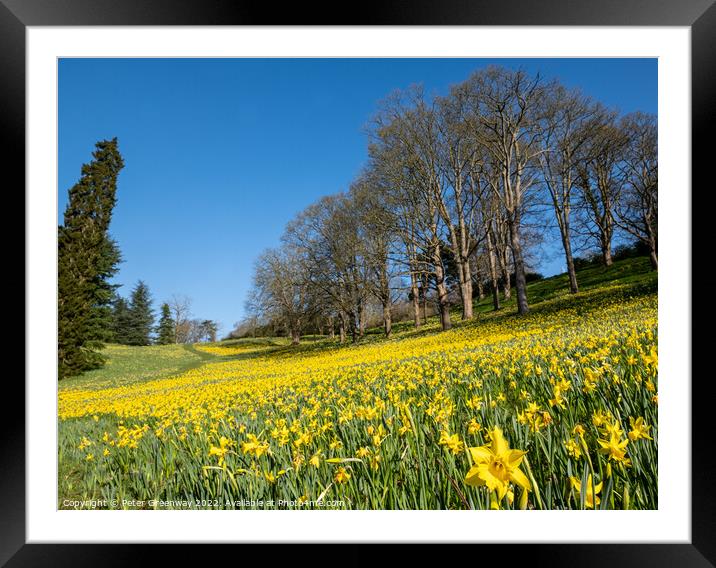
221	153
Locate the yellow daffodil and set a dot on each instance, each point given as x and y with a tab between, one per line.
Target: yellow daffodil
255	447
591	492
362	452
573	449
453	442
614	448
221	450
639	430
341	475
315	460
496	465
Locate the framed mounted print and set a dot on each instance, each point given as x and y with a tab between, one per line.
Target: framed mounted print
395	280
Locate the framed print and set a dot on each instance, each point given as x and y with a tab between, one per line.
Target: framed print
390	280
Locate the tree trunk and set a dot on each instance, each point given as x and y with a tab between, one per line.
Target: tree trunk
295	336
342	327
562	212
503	263
653	259
353	326
387	319
444	305
361	319
443	302
505	269
506	284
573	286
425	298
495	296
466	295
652	245
465	288
463	267
519	263
607	256
494	280
480	288
331	331
416	298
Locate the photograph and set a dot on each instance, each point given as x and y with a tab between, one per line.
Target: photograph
376	283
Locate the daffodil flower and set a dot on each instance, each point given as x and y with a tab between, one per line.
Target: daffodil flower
589	495
638	430
453	443
614	447
496	466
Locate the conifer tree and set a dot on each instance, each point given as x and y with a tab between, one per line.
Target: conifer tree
141	316
87	259
165	331
120	321
207	331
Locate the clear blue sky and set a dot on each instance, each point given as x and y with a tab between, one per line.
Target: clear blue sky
221	153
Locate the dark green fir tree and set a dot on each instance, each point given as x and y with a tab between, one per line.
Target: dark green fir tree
208	330
141	316
165	331
120	321
87	258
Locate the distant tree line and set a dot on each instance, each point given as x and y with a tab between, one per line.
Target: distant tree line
90	312
459	193
133	321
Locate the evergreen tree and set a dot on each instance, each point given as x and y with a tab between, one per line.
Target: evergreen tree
141	316
100	321
121	321
87	259
208	330
165	331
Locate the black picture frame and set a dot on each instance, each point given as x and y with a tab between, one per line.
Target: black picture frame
699	15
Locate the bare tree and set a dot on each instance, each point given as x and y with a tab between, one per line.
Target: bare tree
246	327
492	227
637	210
491	250
568	126
180	307
407	130
458	202
448	201
376	227
199	330
391	180
506	120
326	236
281	290
599	180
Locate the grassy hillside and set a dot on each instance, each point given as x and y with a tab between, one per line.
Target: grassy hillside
405	423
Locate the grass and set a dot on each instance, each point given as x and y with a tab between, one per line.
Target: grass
127	365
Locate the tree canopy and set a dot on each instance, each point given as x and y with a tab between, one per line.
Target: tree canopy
87	258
